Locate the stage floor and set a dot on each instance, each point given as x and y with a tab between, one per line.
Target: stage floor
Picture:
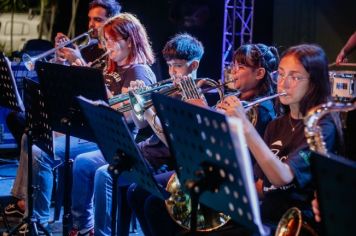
8	167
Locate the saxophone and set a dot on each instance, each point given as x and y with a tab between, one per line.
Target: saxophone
312	130
292	222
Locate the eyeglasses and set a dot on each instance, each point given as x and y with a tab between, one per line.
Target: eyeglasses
112	41
291	79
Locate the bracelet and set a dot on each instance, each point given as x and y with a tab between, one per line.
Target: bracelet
155	126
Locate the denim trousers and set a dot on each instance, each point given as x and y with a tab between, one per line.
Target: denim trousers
42	176
103	203
84	168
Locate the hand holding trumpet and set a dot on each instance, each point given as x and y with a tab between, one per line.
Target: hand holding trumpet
71	55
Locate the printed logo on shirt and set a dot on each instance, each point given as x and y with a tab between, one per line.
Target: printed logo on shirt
276	149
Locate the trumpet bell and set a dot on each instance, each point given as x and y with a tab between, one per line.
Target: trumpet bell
179	208
292	224
28	62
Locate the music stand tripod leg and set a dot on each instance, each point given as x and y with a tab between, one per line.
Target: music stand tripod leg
121	163
68	164
31	221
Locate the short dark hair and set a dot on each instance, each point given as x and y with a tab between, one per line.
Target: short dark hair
112	7
183	47
259	55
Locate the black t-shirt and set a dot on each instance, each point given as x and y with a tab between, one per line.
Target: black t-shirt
92	52
291	147
122	77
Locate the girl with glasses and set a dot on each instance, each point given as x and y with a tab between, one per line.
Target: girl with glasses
283	170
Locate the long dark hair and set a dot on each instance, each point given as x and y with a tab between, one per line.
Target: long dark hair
256	56
315	62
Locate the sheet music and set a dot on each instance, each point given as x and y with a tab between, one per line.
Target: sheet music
244	160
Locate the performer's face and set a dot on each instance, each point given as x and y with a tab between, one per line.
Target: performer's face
292	79
119	49
97	17
245	78
178	67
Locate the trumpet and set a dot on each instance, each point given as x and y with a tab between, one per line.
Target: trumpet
29	61
140	100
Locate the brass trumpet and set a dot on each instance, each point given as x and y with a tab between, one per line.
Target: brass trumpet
29	61
139	101
292	224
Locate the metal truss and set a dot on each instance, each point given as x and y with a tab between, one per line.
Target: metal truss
238	28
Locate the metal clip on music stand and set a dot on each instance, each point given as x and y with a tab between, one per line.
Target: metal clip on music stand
60	85
212	166
334	178
120	151
38	132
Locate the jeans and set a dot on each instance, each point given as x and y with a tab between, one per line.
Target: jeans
85	166
103	201
42	172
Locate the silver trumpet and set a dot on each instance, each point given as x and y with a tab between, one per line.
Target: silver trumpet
30	61
258	101
138	101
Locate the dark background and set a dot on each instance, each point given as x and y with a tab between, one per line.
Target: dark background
282	23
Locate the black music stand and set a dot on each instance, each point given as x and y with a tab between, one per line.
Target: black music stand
60	85
9	96
38	132
213	162
120	151
335	183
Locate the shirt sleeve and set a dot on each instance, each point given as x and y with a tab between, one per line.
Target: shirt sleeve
140	72
299	160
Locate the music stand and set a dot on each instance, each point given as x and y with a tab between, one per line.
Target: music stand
213	162
335	183
60	85
9	96
38	132
120	151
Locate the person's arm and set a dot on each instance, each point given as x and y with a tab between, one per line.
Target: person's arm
347	49
277	172
146	77
315	207
67	54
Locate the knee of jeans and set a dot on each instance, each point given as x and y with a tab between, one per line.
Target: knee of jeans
82	163
102	174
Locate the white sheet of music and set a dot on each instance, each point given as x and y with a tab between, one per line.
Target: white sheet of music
244	160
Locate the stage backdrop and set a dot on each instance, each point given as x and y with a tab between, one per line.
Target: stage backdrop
328	23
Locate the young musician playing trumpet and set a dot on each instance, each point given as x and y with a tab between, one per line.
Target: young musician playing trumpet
129	59
99	11
283	168
256	63
182	53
